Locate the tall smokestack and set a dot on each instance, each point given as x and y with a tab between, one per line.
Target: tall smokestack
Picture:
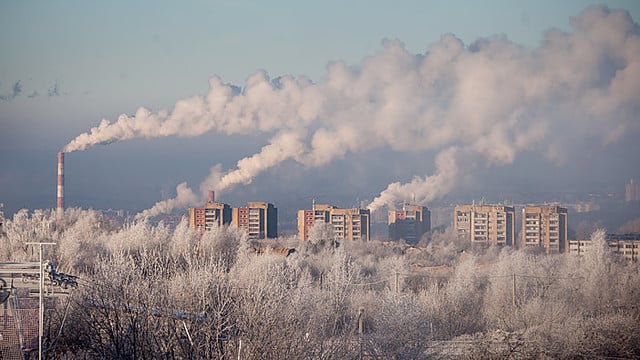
212	196
60	204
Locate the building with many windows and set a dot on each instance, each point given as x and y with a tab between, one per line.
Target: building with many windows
627	246
211	215
347	224
409	224
258	219
545	227
485	225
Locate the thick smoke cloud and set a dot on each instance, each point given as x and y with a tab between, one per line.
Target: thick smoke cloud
490	100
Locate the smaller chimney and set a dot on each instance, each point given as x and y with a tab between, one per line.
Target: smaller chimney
60	192
212	197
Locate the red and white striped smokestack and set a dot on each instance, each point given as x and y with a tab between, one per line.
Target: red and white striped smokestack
212	196
60	205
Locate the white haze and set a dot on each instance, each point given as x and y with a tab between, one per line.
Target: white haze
488	101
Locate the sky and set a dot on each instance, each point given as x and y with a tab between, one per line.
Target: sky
363	103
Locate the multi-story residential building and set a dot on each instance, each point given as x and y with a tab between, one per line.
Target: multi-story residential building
258	219
211	215
409	224
625	245
485	225
632	191
579	246
319	213
545	227
347	224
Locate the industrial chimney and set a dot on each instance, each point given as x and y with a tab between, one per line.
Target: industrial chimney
212	197
60	204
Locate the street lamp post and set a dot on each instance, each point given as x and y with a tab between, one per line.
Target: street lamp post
41	298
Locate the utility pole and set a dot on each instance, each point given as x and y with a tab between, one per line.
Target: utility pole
41	298
360	328
513	291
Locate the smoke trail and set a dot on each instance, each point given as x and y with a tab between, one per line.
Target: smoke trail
184	197
422	190
492	98
283	146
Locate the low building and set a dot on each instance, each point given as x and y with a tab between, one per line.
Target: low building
409	224
627	246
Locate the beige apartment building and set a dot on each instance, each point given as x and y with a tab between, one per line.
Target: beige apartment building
627	246
545	227
258	219
409	224
347	224
211	215
485	225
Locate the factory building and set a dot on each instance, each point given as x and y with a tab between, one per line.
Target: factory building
485	225
409	224
545	227
347	224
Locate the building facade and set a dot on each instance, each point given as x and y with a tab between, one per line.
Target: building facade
347	224
632	191
627	246
409	224
485	225
258	219
213	214
545	227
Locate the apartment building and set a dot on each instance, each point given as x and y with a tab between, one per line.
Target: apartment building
211	215
485	225
258	219
545	227
632	191
348	224
627	246
409	224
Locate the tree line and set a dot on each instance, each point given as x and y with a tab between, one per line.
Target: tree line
149	291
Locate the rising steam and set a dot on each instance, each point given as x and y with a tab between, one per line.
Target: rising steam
493	99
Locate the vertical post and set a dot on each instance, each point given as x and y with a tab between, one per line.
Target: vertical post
360	328
41	298
513	291
397	282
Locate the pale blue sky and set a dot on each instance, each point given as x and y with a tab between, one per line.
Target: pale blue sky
77	62
166	49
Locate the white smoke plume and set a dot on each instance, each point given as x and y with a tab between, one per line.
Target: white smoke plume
492	98
184	197
420	189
